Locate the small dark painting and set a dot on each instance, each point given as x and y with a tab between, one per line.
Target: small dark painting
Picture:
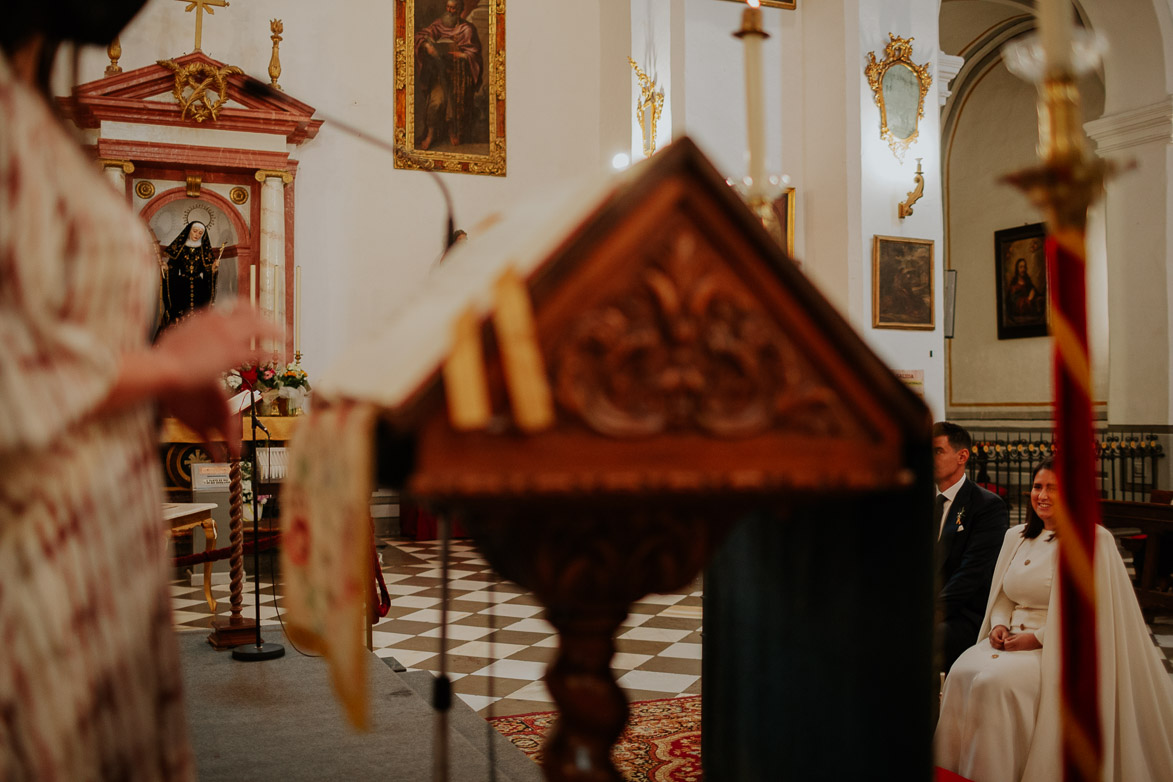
1021	281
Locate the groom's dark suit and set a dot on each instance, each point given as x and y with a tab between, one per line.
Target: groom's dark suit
966	553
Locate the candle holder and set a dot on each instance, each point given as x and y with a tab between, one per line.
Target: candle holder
1064	186
761	199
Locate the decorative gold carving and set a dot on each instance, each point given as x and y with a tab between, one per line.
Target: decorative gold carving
114	52
238	195
277	27
647	108
400	64
144	189
687	346
200	78
126	166
899	120
200	6
904	208
265	173
194	183
209	220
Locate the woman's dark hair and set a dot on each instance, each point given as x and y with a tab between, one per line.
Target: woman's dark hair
76	21
59	21
1034	525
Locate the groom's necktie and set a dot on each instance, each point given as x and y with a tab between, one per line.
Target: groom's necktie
938	514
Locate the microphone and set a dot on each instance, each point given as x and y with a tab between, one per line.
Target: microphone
259	89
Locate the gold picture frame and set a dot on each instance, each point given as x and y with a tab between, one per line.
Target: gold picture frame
450	85
784	210
902	283
899	87
788	4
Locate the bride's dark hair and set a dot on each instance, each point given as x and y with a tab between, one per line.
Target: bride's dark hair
1034	525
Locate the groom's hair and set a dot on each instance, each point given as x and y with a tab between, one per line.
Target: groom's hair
957	435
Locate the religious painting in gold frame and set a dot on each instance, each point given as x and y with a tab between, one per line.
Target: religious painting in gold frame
899	87
790	4
902	283
450	85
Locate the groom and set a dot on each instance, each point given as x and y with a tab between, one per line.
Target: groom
970	525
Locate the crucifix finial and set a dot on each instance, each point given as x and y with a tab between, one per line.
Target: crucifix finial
200	6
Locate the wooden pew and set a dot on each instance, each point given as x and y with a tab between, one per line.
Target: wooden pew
1155	562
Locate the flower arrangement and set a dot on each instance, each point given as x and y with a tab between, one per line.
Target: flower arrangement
295	377
288	386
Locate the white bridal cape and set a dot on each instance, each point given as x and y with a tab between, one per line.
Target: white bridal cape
1135	695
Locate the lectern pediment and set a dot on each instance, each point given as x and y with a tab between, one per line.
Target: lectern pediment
683	350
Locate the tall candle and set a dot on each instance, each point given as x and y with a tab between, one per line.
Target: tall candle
1054	20
252	295
751	35
296	310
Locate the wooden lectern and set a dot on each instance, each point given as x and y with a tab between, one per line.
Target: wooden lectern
696	378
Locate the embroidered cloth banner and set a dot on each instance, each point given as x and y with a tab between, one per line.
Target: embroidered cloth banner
326	556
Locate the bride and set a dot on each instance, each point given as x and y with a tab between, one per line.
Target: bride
1000	710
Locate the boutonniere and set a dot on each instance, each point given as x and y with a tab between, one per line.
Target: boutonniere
960	516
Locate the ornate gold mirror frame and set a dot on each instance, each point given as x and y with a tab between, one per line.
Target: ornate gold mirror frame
898	54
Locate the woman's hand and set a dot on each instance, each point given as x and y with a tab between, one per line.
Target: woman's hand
182	370
998	636
1022	642
210	342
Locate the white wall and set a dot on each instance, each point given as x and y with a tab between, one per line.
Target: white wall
367	233
885	182
995	133
822	131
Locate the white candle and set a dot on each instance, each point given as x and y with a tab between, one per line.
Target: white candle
296	310
755	115
1054	20
252	295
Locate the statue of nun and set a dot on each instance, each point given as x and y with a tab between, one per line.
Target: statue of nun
189	273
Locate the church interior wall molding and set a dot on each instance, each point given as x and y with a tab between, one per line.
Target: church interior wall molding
948	66
1143	125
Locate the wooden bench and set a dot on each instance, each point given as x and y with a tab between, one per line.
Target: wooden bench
1152	560
183	517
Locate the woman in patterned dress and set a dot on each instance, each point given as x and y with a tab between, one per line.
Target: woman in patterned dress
89	681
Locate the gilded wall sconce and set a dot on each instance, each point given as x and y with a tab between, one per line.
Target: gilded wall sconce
904	208
647	108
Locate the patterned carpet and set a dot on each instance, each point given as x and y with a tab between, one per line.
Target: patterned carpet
662	740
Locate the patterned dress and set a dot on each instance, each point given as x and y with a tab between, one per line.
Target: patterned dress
89	678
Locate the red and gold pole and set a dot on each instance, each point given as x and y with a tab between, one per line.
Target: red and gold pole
1064	187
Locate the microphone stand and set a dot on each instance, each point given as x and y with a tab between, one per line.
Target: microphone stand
260	651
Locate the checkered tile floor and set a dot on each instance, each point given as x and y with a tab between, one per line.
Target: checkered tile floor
658	650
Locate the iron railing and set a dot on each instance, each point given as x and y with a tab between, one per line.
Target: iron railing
1128	465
